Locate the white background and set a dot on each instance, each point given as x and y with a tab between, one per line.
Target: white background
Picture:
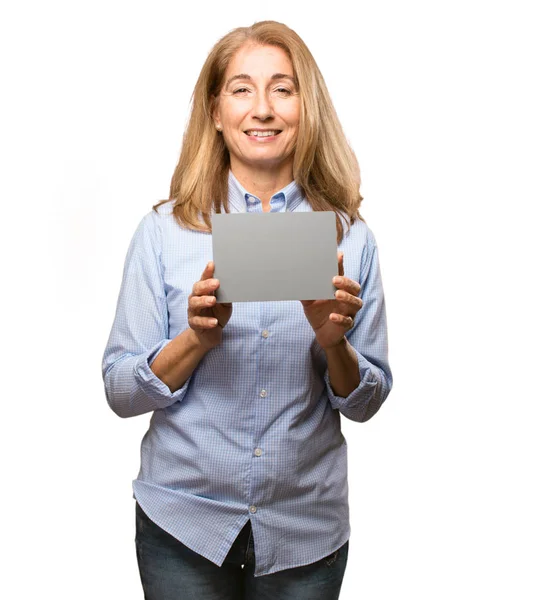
446	105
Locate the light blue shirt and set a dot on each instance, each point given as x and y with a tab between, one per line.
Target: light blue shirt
254	433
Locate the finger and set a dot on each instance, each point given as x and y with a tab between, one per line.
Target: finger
348	299
347	284
197	303
340	263
204	287
206	275
208	271
342	320
197	322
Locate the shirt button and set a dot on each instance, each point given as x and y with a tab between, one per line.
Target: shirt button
265	333
252	509
263	393
258	452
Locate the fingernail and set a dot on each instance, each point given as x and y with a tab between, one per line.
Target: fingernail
337	280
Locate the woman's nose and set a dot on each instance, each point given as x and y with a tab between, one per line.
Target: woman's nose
262	106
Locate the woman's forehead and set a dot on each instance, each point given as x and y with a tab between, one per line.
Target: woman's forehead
259	61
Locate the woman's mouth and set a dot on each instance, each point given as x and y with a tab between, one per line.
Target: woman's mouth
262	133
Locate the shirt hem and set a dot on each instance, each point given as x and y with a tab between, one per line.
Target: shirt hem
272	570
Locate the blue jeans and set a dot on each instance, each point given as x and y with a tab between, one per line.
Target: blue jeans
170	570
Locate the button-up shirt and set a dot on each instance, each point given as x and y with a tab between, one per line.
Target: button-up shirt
254	433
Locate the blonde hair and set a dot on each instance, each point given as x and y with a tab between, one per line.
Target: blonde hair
324	166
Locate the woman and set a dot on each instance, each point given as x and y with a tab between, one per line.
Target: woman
242	491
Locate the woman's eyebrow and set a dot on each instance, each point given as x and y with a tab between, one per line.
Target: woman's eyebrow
283	76
274	77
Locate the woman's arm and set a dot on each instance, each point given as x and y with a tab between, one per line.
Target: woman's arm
139	334
177	361
358	375
343	368
175	364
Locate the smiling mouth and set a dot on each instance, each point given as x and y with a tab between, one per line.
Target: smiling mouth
262	133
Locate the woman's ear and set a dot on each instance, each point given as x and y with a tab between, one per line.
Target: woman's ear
214	111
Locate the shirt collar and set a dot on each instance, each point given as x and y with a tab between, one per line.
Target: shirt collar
286	199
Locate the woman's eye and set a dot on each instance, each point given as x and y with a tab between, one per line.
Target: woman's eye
280	90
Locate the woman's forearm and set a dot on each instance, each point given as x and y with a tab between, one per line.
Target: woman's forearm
343	368
178	359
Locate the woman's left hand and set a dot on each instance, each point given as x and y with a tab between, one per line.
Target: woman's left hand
330	319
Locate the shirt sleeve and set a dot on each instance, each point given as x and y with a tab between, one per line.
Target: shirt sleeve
140	329
369	339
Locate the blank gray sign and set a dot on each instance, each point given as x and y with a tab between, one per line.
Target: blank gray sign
274	256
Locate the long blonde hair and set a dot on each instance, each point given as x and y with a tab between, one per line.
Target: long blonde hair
325	166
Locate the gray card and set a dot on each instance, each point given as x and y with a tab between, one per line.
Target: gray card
274	256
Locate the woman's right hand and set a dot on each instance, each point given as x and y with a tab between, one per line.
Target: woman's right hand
205	315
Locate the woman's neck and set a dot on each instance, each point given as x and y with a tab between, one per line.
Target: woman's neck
262	183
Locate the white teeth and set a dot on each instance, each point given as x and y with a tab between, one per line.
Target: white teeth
261	133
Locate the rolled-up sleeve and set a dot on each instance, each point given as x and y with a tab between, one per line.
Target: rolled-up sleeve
369	339
140	329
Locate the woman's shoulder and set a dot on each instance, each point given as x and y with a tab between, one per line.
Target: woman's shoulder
165	210
153	226
360	232
164	221
159	217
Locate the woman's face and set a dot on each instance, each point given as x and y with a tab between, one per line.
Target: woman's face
258	109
